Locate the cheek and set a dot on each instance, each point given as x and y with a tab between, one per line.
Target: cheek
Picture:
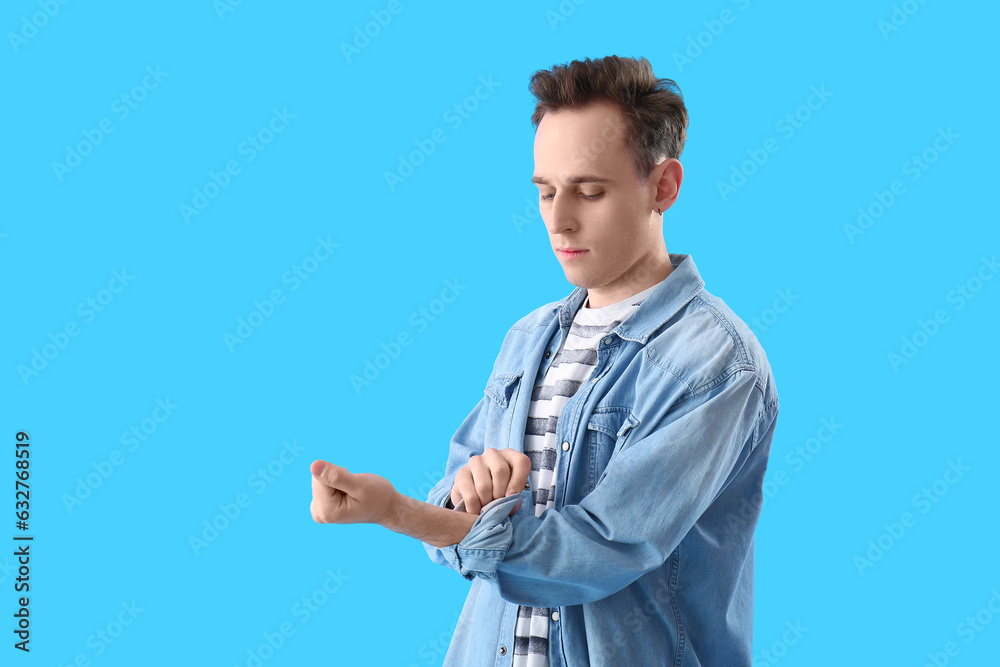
613	243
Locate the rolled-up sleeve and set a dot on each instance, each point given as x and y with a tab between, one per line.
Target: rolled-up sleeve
467	441
652	492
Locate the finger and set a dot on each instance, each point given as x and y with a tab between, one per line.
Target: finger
325	501
516	507
520	468
482	480
317	467
499	471
334	476
467	490
322	494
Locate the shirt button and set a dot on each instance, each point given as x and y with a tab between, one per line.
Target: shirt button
527	485
503	650
548	353
607	341
555	616
566	446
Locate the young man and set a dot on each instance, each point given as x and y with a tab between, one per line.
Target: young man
607	485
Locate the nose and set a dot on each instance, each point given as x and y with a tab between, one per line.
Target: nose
561	215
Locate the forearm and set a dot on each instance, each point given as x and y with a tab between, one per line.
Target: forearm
428	523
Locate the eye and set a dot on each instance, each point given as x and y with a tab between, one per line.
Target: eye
587	197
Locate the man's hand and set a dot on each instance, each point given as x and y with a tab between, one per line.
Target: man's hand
343	497
340	496
496	473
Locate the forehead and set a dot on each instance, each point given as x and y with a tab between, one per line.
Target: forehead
587	140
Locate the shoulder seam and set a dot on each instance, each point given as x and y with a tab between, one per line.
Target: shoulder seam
724	322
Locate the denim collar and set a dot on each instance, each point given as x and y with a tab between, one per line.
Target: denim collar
670	295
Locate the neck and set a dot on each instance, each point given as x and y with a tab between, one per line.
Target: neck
642	275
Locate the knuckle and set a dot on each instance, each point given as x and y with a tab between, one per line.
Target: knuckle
319	513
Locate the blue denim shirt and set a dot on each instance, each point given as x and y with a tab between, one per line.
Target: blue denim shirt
646	557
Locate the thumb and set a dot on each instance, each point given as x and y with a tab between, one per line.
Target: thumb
334	476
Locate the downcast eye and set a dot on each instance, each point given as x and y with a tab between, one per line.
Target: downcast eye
585	196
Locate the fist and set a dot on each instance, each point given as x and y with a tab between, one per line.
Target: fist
340	496
496	473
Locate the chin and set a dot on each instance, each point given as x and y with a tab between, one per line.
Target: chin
578	280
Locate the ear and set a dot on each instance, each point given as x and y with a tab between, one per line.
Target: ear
665	180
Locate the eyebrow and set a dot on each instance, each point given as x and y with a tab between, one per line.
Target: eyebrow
585	178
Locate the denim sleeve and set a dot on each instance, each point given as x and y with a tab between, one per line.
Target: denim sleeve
466	442
651	493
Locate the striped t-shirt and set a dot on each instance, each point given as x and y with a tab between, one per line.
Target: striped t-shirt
571	367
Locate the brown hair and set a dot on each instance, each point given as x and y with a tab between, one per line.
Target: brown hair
653	109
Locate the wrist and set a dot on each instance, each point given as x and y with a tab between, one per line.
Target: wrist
396	516
428	523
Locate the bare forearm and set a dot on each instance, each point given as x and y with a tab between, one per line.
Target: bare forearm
437	526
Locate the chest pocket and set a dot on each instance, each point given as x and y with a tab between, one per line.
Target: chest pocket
607	429
503	389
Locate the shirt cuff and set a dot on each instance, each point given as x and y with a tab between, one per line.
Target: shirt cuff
479	553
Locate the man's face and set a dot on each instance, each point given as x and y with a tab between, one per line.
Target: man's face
613	219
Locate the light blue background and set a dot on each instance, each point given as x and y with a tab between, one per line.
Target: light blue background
454	218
